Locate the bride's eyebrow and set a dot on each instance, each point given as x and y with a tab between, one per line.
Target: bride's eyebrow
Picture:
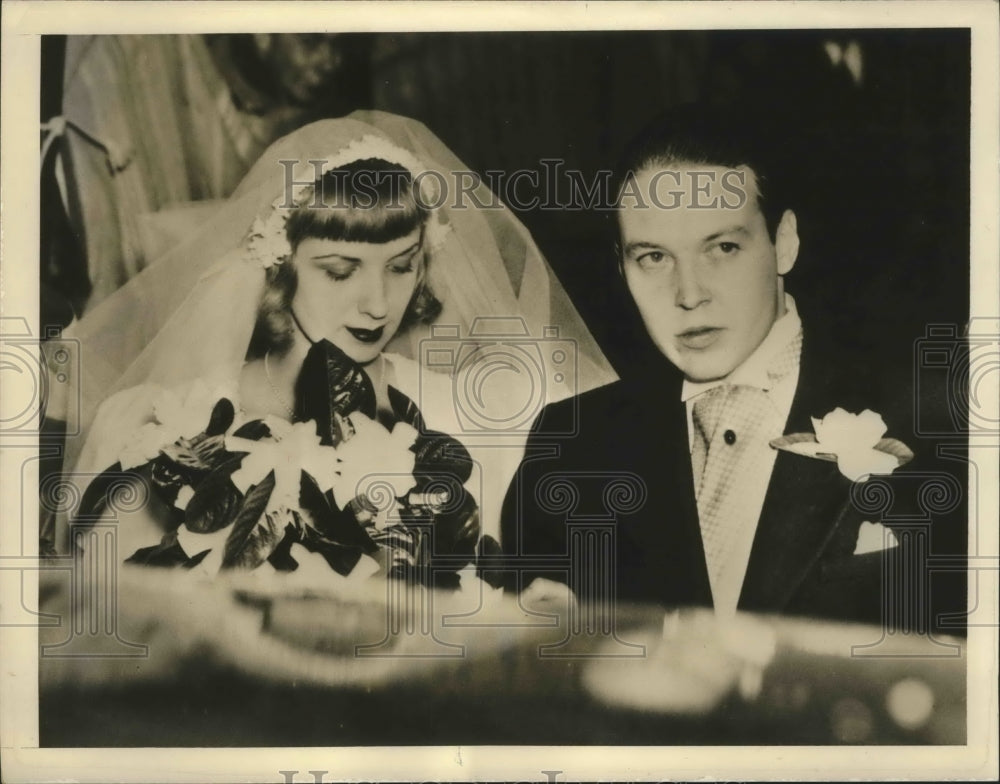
413	248
355	260
351	259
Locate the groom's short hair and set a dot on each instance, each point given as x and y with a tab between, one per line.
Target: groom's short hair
700	134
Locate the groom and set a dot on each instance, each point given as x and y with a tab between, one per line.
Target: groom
717	515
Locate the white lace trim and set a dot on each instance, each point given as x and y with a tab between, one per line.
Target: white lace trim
267	242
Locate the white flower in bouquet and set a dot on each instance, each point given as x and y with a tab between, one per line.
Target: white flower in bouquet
194	544
372	459
293	448
177	413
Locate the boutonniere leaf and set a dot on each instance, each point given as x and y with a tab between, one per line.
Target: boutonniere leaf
855	442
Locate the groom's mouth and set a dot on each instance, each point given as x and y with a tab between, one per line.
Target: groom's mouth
366	335
699	337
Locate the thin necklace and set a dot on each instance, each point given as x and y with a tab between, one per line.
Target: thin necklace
299	325
274	390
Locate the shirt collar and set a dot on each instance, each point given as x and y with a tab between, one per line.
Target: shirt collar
753	371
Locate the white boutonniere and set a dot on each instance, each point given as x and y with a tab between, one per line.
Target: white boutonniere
855	442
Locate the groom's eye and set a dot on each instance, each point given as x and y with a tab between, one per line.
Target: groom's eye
651	260
724	249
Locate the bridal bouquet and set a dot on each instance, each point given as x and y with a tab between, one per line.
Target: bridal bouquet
339	489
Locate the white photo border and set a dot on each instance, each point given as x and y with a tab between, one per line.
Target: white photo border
24	22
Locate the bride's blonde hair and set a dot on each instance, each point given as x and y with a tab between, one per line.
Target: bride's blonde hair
368	200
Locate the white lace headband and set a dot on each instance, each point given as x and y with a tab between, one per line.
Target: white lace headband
267	242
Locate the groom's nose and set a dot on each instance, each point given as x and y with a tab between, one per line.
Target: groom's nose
689	291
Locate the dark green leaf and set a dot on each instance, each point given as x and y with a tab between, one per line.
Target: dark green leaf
330	384
95	497
338	525
489	553
216	501
166	479
255	534
211	450
405	410
447	581
342	558
281	557
398	536
457	529
439	453
256	430
184	459
168	553
222	418
455	524
341	429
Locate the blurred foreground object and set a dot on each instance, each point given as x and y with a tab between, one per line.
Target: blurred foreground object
269	662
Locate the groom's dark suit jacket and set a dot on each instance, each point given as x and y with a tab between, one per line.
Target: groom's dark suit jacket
628	461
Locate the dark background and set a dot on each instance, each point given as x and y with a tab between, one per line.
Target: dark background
882	166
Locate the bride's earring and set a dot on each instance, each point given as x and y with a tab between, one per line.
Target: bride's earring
424	306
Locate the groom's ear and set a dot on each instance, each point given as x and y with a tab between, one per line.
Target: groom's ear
786	242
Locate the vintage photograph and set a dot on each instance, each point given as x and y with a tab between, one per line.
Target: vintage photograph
483	387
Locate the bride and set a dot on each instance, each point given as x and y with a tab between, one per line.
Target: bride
266	386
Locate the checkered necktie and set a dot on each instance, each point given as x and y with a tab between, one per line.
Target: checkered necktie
729	422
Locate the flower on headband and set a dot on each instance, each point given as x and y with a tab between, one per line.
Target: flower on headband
267	241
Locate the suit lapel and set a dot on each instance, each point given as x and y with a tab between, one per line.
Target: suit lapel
667	527
804	501
674	522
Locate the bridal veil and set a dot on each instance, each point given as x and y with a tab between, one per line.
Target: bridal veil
190	314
